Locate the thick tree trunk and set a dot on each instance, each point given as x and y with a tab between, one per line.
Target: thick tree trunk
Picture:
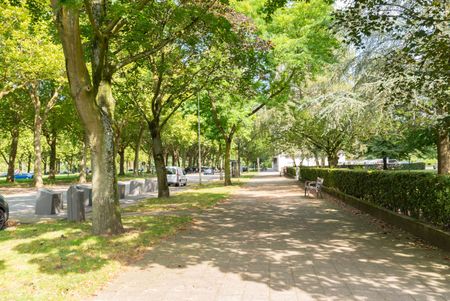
443	150
83	163
121	154
332	159
158	157
227	161
52	163
12	154
106	217
95	105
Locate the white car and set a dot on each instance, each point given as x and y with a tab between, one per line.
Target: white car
176	176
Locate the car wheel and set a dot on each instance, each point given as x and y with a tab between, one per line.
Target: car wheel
2	219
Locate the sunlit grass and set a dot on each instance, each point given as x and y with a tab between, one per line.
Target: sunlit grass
196	197
61	260
64	261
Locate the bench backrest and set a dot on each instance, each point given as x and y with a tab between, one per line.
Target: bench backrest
319	181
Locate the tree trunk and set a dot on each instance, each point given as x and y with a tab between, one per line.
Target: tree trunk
239	159
136	151
166	156
385	163
227	161
121	154
332	159
83	163
52	163
12	154
158	157
105	207
443	150
29	163
38	182
95	106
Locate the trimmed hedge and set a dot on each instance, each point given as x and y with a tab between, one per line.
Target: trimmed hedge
425	196
290	171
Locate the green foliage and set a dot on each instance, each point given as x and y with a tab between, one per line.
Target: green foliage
290	171
422	195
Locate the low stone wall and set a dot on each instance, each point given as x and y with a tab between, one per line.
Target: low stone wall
424	231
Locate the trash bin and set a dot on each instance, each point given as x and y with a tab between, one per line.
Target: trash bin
75	204
136	187
87	199
122	190
48	202
149	185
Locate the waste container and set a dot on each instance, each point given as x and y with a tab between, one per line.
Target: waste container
48	202
75	204
87	199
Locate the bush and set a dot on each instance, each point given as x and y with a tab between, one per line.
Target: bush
290	171
413	166
425	196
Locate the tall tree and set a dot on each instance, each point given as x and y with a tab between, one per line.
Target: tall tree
119	33
416	64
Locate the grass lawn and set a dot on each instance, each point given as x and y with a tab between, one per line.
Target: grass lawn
64	179
63	261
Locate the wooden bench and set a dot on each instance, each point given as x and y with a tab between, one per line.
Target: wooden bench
316	186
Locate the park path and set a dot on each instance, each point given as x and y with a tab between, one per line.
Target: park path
269	242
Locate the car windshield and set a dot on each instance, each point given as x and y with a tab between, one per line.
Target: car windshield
171	171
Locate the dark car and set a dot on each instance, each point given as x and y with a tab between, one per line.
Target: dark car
4	212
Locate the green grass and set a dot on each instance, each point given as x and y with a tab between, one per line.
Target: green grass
196	197
61	260
64	261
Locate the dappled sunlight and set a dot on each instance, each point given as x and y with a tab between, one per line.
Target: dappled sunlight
58	257
270	239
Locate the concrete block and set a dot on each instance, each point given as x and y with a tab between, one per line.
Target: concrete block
48	202
136	187
122	190
75	204
149	185
87	194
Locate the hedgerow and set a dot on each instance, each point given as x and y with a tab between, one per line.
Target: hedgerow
422	195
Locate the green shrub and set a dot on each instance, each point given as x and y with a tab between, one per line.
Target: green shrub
290	171
413	166
425	196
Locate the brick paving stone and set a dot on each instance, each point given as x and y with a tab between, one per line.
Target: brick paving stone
269	242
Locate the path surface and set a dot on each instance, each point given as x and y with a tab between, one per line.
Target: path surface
271	243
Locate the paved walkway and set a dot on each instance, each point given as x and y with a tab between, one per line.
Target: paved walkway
271	243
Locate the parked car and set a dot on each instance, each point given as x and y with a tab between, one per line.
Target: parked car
4	212
3	174
23	175
176	176
208	171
